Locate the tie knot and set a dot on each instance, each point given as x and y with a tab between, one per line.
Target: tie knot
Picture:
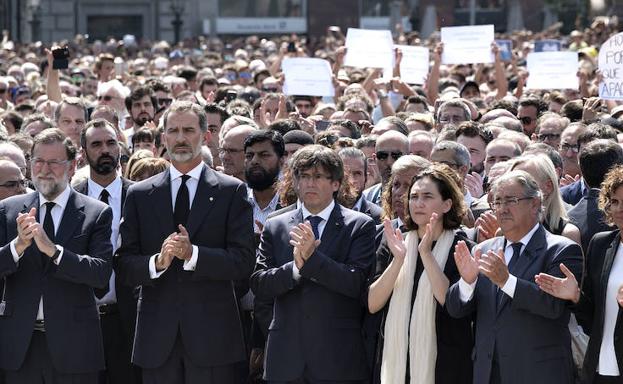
314	220
49	205
185	178
516	247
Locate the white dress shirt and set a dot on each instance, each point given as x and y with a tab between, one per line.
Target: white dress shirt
607	357
191	184
467	290
115	191
57	215
324	215
261	214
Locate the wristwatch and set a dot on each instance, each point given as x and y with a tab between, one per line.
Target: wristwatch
56	254
382	94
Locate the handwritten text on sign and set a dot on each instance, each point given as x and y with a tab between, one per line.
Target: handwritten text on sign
610	65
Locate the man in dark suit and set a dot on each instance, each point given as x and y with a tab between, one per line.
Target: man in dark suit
522	333
116	303
188	329
313	263
356	166
55	250
572	193
596	159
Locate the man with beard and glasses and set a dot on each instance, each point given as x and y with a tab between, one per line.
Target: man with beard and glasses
55	252
186	234
141	106
116	303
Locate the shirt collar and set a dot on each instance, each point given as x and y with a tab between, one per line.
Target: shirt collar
60	200
273	202
526	239
194	173
358	204
114	188
324	214
469	199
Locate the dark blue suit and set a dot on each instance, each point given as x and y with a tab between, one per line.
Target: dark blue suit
572	193
528	335
72	324
315	331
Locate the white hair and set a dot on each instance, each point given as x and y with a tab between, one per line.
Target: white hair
121	89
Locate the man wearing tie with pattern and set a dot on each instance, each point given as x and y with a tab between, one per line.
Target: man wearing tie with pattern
55	249
116	302
186	234
313	263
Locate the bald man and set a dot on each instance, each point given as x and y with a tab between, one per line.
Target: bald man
231	150
390	146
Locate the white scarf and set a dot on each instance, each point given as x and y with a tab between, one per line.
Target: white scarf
422	340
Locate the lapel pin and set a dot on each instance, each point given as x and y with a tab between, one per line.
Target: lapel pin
211	198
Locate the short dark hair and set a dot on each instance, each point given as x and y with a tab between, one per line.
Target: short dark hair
355	132
217	109
533	101
449	186
474	129
572	110
55	135
597	158
284	126
260	136
97	123
187	106
315	155
143	135
596	131
138	93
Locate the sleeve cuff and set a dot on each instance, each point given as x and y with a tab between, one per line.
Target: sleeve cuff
16	256
152	268
296	274
57	261
466	290
509	287
191	264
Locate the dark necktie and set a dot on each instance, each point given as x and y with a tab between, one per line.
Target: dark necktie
315	221
182	204
104	197
48	222
511	264
101	292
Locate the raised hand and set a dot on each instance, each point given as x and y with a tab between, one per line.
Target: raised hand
473	182
566	288
25	227
395	242
465	263
487	225
568	179
303	240
167	253
183	248
426	242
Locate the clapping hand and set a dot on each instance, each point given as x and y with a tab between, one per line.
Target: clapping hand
304	242
493	265
466	264
25	227
426	242
566	288
395	242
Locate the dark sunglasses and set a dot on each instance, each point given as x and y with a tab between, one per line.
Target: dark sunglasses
105	98
526	120
265	89
165	101
383	155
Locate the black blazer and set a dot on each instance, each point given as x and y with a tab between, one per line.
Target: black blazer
199	305
572	193
590	311
372	210
126	296
316	326
71	318
587	216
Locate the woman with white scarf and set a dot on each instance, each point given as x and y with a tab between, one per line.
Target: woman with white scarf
418	341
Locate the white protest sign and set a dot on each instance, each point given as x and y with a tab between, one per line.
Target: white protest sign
414	64
553	70
467	44
366	48
611	67
308	77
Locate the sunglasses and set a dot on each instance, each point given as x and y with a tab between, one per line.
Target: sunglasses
106	98
165	101
383	155
525	120
265	89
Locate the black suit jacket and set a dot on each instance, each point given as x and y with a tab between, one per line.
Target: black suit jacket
528	334
587	216
316	324
590	311
200	304
372	210
126	296
71	318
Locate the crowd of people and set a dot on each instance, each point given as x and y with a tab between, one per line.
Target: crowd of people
169	215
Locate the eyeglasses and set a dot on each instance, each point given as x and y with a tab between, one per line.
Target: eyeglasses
383	155
451	119
12	184
229	151
508	202
53	164
107	98
268	89
570	147
316	177
165	101
547	136
525	120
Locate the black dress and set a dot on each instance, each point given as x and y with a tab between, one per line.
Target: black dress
455	339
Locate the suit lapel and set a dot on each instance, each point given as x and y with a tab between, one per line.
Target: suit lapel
73	217
162	193
609	255
331	229
532	250
125	184
205	198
